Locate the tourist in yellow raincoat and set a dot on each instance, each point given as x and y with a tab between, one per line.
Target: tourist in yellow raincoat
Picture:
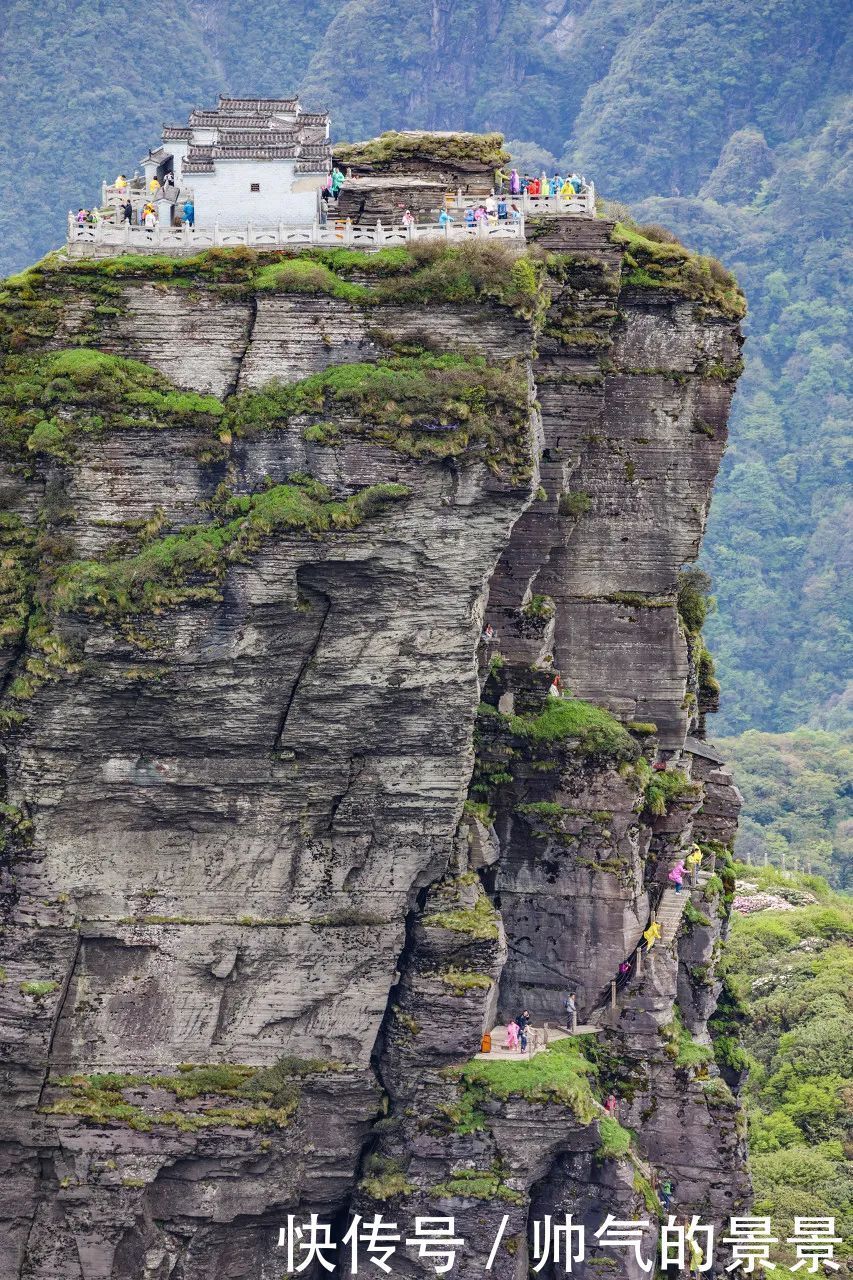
652	934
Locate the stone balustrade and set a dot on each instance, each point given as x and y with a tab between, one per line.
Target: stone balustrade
581	205
105	239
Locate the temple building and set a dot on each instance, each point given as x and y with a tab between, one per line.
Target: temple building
248	160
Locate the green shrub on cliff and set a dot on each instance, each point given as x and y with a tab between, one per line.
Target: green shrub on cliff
693	600
665	787
45	401
615	1140
651	262
594	731
461	981
385	1180
189	565
680	1045
425	271
480	920
478	1184
39	987
100	1099
304	275
424	405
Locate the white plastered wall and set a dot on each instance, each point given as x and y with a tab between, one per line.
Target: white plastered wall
226	195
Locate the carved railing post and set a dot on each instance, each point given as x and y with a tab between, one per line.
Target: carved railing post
348	231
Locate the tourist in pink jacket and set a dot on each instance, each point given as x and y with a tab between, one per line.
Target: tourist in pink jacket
677	874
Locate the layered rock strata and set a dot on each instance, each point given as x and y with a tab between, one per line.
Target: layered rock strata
285	833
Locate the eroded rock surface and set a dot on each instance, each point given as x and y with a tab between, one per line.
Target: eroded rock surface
238	837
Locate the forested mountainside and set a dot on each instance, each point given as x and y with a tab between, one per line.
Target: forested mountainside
788	970
726	121
797	800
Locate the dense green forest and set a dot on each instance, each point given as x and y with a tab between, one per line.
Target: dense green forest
789	979
798	794
725	120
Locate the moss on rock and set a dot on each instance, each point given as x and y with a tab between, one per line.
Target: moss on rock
421	405
559	1074
394	151
652	263
190	566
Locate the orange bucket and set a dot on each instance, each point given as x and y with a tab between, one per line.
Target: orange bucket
486	1044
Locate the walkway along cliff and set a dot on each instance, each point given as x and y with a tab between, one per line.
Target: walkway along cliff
284	833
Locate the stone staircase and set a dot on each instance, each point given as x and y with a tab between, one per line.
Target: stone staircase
669	913
671	906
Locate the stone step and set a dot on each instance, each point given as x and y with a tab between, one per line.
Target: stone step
669	913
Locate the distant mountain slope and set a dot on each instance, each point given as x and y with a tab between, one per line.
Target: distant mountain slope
724	120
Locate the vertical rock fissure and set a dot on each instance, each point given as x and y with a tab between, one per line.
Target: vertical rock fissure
60	1007
234	385
306	665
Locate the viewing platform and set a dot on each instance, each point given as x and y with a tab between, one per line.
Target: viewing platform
110	237
538	1040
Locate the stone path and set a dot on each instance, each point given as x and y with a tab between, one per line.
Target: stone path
539	1039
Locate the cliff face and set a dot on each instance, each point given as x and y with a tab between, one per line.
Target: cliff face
253	931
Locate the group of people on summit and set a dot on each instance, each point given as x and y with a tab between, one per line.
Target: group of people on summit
498	207
544	186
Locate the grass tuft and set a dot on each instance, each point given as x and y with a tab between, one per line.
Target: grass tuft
558	1075
596	731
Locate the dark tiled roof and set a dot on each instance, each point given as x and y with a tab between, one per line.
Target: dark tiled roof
227	120
202	118
254	153
253	129
197	166
267	105
257	137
